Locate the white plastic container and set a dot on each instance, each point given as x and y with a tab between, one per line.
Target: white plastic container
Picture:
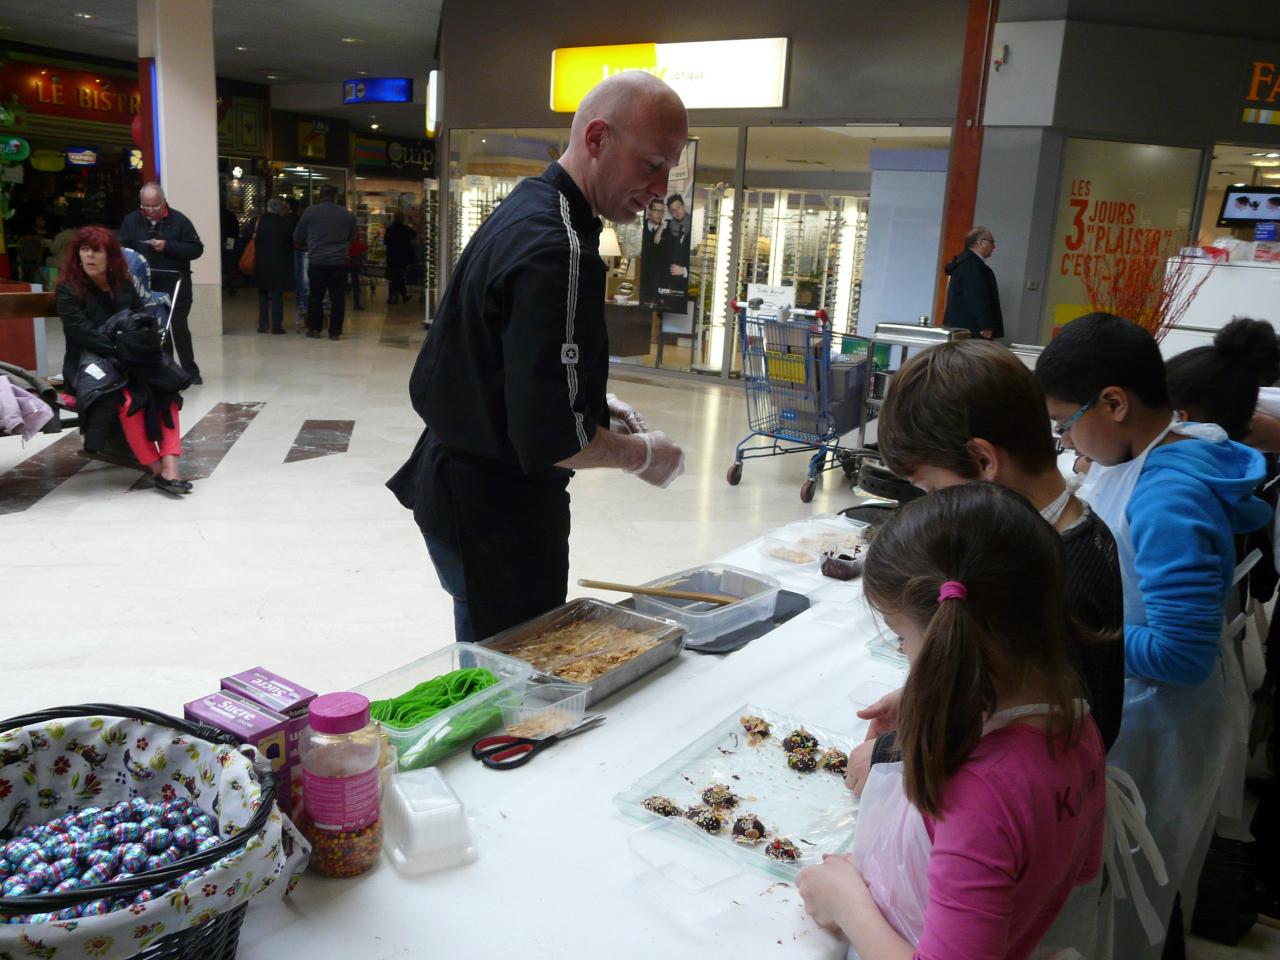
541	709
705	621
424	823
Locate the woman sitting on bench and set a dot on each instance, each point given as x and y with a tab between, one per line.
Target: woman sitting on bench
117	368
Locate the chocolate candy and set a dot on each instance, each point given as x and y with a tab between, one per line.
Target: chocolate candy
202	833
32	860
87	817
41	917
71	883
64	868
204	821
119	812
76	851
95	908
139	808
134	858
109	858
126	832
207	843
184	837
142	896
189	876
156	840
100	873
15	886
99	836
40	877
150	823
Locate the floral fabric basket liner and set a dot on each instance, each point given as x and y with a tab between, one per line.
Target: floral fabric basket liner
51	769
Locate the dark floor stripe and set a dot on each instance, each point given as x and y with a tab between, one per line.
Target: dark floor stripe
36	477
205	444
320	438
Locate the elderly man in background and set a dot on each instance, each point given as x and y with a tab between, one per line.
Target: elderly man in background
168	242
973	300
325	231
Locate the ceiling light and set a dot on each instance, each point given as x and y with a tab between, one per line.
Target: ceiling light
1226	173
85	16
373	126
1238	185
273	76
1271	156
362	73
244	49
1271	176
352	40
483	140
1265	163
1260	153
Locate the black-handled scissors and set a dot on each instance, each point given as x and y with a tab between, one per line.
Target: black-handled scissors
507	753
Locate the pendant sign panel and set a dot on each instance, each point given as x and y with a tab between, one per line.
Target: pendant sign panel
378	90
708	75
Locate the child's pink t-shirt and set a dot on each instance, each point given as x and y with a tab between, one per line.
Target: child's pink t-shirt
1020	829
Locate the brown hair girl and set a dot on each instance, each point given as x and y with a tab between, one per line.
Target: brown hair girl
998	631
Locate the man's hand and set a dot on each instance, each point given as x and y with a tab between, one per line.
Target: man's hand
663	462
679	271
883	714
157	245
623	417
986	334
859	767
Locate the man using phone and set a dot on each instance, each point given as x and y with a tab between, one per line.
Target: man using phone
169	242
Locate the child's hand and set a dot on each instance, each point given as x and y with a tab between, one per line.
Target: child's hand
833	891
859	767
883	714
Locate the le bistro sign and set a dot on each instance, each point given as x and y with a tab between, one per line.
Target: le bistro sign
65	92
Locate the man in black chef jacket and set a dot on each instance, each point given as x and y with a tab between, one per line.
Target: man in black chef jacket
511	381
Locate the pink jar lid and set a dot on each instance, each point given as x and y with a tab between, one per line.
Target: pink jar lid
338	713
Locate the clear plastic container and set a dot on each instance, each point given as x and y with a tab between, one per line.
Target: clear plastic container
705	621
450	730
341	753
802	543
542	709
426	824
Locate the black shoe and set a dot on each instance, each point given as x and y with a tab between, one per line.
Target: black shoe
313	334
175	487
262	329
279	331
335	336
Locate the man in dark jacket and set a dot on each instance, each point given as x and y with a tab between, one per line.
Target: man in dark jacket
325	231
169	243
401	241
973	301
272	235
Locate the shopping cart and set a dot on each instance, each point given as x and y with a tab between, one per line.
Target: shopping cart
805	388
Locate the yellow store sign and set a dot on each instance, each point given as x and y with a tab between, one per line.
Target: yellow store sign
708	75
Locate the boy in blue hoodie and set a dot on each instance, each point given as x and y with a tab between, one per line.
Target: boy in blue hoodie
1174	495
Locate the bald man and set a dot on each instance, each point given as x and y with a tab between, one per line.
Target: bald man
512	380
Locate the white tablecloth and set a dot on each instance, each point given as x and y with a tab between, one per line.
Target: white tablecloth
557	874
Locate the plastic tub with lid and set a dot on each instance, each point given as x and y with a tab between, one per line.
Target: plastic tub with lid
706	621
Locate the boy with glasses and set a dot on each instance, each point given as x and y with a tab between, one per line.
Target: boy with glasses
1174	496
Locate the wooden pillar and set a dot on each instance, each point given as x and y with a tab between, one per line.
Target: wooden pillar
966	140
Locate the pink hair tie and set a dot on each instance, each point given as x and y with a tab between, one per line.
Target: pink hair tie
952	590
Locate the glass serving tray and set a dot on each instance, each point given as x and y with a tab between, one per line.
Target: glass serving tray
815	811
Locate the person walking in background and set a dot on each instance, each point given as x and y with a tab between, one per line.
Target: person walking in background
272	234
230	249
292	213
326	230
402	245
355	264
973	300
169	242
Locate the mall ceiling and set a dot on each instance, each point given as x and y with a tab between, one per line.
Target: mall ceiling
260	41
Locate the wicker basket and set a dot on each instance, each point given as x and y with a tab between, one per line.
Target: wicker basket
214	939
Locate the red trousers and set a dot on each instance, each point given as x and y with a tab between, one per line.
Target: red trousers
135	433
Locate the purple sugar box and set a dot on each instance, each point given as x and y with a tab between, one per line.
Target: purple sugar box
275	693
252	724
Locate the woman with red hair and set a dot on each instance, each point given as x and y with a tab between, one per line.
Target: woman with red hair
115	366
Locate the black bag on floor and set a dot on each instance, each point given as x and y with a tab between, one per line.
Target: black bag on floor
1227	900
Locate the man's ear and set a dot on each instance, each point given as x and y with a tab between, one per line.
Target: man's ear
596	136
987	458
1115	403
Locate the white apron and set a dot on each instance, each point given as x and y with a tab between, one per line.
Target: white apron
891	849
1175	740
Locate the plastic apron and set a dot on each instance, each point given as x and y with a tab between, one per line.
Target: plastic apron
1174	740
891	848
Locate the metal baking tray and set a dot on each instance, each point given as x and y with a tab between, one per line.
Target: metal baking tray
670	638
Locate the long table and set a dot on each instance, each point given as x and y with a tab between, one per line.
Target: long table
562	873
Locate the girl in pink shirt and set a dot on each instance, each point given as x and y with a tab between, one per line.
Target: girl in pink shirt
1000	796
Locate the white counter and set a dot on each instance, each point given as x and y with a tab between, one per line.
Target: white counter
1234	289
556	875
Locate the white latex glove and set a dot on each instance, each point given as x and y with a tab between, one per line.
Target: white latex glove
623	417
663	460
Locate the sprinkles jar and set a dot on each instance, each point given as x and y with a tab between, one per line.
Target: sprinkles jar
340	750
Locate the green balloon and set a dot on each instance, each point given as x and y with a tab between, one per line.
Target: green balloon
14	150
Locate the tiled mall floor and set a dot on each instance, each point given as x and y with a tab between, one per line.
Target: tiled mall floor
311	567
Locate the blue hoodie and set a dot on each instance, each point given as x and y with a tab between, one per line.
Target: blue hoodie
1190	501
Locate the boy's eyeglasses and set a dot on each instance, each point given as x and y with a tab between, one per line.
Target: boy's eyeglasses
1060	430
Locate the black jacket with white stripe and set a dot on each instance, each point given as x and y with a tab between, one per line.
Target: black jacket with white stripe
515	368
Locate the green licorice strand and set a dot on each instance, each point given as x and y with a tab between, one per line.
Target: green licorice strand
431	697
